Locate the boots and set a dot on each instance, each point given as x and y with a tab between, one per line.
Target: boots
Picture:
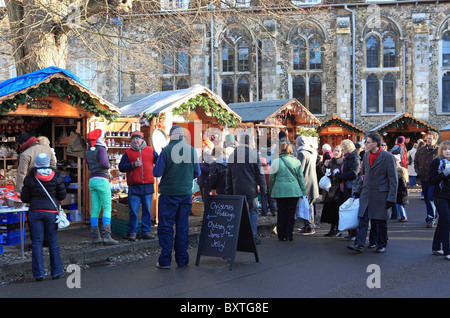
106	235
95	234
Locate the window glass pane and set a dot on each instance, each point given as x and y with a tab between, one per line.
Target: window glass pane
243	90
299	89
388	94
227	58
167	60
389	52
228	90
243	57
315	95
372	52
446	93
183	61
315	54
446	49
86	71
167	85
182	84
299	55
372	94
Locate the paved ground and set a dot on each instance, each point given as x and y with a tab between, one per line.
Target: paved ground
310	266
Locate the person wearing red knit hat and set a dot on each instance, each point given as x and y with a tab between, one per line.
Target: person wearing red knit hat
98	164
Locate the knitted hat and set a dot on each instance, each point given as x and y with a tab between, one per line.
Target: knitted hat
93	136
137	134
42	161
400	139
326	147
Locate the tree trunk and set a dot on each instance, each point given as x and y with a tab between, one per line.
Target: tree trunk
39	29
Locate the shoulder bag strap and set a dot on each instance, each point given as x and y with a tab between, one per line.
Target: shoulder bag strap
57	209
290	169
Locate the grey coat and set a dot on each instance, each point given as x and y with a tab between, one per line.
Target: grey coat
379	185
308	158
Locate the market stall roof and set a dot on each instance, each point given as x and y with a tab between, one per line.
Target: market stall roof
402	120
445	128
160	102
265	111
341	122
22	83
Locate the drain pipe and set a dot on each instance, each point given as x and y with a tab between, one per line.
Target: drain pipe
404	77
353	64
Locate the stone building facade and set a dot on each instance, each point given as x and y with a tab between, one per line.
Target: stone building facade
365	61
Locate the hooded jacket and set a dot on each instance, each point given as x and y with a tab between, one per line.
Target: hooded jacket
33	193
28	152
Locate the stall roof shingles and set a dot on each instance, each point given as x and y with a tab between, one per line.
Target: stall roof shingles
257	111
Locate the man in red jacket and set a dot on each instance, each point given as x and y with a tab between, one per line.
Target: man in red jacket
138	162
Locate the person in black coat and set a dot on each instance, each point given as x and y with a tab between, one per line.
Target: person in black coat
244	175
42	213
440	178
349	171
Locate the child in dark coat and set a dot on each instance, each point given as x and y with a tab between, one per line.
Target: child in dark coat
402	193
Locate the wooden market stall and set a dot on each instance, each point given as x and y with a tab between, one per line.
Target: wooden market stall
197	109
445	132
403	125
336	129
55	103
271	116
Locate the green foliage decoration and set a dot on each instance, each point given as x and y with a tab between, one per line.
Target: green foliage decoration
209	106
65	91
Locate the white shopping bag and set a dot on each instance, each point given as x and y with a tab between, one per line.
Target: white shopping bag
348	215
303	208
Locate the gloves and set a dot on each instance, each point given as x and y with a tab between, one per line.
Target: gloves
389	204
356	195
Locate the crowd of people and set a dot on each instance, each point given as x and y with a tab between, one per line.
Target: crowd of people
368	172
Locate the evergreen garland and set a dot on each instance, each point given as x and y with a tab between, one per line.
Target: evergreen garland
64	90
209	106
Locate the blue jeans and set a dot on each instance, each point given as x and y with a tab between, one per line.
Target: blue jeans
441	235
42	224
134	201
427	190
412	180
253	213
174	210
401	211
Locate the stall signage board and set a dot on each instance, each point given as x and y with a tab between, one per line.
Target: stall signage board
40	104
226	228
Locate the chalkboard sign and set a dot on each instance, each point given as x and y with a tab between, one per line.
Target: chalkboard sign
226	228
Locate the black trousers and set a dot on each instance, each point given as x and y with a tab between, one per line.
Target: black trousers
286	217
379	234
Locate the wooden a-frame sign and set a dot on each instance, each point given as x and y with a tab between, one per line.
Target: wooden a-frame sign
226	228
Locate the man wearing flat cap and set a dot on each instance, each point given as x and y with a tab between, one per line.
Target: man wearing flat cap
138	162
177	166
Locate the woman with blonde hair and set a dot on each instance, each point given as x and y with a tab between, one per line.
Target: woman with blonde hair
349	171
286	185
440	178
